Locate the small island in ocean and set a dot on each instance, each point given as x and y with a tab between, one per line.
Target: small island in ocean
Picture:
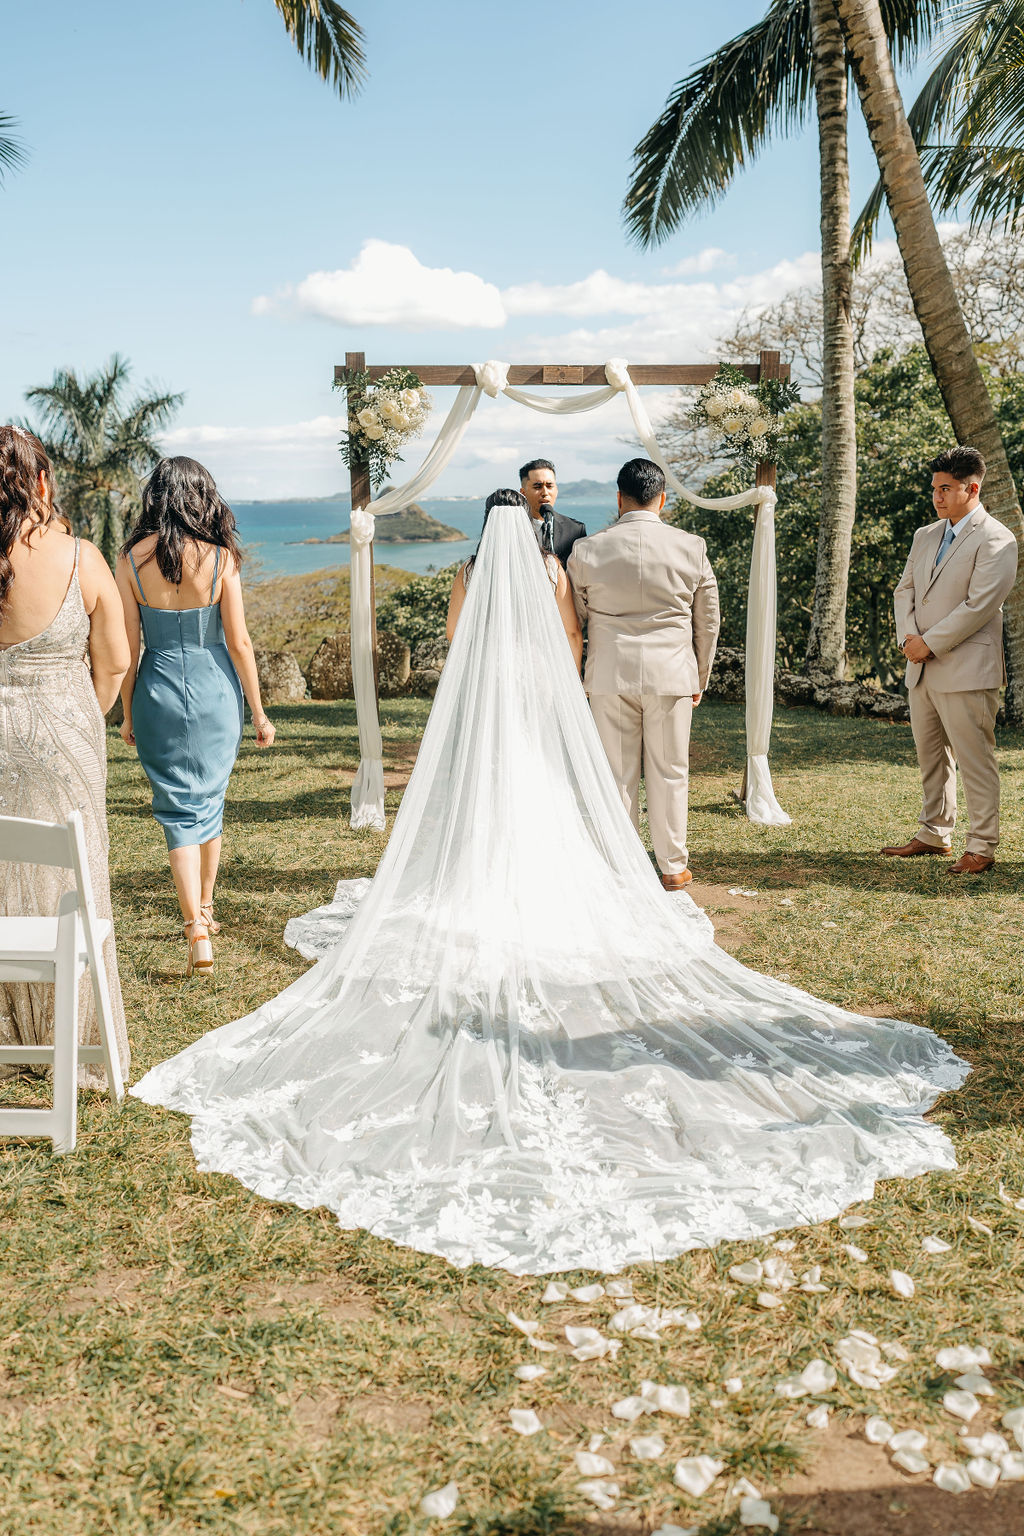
410	526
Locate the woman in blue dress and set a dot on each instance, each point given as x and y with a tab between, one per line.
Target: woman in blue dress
178	576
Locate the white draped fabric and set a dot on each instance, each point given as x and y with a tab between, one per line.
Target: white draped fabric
523	1052
492	379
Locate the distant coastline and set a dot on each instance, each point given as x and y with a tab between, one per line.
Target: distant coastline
572	490
411	526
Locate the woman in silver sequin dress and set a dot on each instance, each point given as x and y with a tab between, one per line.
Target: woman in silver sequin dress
63	652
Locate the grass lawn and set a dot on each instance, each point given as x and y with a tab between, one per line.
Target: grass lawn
181	1356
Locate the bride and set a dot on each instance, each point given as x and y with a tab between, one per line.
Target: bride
522	1052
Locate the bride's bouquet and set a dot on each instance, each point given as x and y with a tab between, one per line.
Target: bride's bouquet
382	418
745	418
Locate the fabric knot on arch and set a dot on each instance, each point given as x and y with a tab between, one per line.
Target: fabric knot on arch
491	378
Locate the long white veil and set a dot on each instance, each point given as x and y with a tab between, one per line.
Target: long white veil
525	1053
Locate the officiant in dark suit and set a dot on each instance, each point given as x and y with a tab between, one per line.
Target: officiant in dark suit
538	483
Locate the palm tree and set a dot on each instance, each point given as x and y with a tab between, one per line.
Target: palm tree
101	445
718	119
938	311
11	153
329	39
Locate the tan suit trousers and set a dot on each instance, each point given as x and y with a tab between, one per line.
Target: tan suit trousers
952	729
650	733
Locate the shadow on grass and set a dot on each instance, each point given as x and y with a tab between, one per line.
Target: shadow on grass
784	869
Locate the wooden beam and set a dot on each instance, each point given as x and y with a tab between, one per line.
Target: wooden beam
359	481
666	375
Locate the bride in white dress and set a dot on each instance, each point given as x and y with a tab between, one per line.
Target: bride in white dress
522	1052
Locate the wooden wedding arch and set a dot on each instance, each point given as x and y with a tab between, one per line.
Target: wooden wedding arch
668	375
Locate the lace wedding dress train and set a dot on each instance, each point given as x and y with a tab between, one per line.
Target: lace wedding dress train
516	1049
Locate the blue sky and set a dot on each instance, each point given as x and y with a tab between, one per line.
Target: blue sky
189	178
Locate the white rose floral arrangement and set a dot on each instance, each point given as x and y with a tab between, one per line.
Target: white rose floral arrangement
744	417
382	418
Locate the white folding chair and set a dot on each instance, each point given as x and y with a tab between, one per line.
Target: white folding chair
57	950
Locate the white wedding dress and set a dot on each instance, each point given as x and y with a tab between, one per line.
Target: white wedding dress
518	1050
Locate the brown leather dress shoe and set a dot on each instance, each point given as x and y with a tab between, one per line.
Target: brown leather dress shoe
676	882
914	849
971	864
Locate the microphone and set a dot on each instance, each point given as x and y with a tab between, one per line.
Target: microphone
547	536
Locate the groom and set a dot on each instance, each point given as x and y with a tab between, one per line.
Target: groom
649	596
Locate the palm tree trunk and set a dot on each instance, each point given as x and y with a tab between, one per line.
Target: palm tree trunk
934	297
826	641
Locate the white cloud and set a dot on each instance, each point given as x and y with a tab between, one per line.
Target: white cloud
387	285
704	261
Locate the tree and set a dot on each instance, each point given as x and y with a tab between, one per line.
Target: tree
717	118
101	444
934	297
329	39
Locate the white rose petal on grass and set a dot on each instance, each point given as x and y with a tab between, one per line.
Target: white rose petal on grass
894	1351
862	1361
647	1447
878	1430
810	1281
852	1222
856	1254
988	1444
769	1299
530	1372
590	1465
911	1461
818	1417
982	1471
963	1357
524	1421
784	1244
908	1440
935	1245
601	1494
733	1385
951	1479
673	1400
979	1226
974	1381
620	1290
1014	1422
963	1405
1012	1467
557	1291
695	1474
748	1273
595	1442
541	1344
629	1408
758	1512
591	1344
441	1503
1008	1199
522	1323
588	1292
902	1283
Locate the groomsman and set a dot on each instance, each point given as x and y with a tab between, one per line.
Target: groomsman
538	483
949	606
649	596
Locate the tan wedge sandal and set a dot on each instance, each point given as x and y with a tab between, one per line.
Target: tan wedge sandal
206	911
200	950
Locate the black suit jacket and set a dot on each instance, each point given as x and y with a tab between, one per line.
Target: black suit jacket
564	533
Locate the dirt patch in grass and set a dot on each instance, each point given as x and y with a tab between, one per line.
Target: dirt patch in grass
335	1300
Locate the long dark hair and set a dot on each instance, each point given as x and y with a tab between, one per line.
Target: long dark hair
182	506
22	460
502	498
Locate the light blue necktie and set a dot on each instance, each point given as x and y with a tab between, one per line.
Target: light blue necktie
947	540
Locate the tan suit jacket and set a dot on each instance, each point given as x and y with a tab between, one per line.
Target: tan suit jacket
957	607
649	597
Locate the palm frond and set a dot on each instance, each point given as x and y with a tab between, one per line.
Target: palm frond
12	153
989	178
329	39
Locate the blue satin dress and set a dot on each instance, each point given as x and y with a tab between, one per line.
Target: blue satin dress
187	716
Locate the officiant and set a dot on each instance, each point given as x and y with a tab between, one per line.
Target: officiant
558	534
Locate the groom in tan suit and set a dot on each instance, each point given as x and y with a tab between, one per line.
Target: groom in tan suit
649	597
949	610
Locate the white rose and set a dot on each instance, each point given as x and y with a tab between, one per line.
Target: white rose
389	410
401	421
714	407
733	424
737	397
750	403
374	433
410	399
758	427
367	418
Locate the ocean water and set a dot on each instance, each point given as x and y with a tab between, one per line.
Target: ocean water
272	533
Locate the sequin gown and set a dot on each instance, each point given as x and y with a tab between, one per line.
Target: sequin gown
53	759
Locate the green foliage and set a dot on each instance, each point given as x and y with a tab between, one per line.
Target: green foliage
329	39
380	451
418	611
901	425
101	445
